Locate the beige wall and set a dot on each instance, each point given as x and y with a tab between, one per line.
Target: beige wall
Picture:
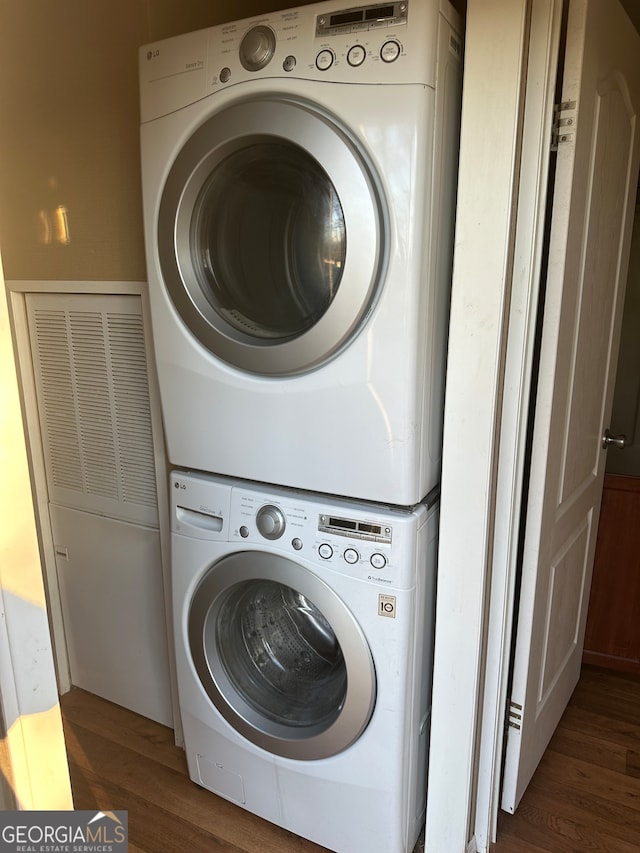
69	129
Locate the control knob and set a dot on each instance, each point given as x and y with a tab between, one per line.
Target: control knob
257	48
271	521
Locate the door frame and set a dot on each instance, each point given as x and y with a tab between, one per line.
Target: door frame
499	236
481	298
536	162
33	762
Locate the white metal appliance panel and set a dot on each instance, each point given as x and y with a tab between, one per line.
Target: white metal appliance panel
372	794
366	423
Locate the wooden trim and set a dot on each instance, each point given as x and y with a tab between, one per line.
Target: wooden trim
612	637
621	483
611	662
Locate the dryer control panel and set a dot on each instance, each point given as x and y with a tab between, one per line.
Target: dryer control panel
374	43
327	41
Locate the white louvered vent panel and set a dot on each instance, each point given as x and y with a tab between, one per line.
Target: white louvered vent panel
132	409
93	399
93	396
57	398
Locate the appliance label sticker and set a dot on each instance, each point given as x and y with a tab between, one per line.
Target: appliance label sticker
387	606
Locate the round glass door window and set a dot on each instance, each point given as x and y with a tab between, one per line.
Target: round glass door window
271	236
281	655
292	675
268	240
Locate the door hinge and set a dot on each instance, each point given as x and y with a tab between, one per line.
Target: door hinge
564	123
514	715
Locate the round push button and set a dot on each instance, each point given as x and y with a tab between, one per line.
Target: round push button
351	556
356	55
390	51
325	551
324	60
378	561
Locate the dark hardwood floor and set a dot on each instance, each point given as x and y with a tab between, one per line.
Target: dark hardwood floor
584	798
585	794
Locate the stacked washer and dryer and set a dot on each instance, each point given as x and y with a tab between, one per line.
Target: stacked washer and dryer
298	180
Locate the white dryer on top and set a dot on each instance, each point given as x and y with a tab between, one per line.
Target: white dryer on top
298	177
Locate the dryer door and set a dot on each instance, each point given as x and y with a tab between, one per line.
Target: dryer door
281	656
270	236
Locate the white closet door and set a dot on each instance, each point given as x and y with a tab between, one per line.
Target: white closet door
93	394
592	215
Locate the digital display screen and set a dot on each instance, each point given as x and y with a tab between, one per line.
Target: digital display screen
346	18
378	12
355	529
369	528
343	523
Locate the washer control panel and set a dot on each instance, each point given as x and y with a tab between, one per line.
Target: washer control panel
341	541
336	538
371	542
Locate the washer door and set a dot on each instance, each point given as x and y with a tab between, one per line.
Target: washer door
270	236
280	656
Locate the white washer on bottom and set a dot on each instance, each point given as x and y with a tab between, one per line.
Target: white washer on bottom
303	632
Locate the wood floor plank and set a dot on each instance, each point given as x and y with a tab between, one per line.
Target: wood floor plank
509	842
122	726
584	797
553	833
594	750
632	767
617	788
601	727
583	807
169	790
150	829
617	699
